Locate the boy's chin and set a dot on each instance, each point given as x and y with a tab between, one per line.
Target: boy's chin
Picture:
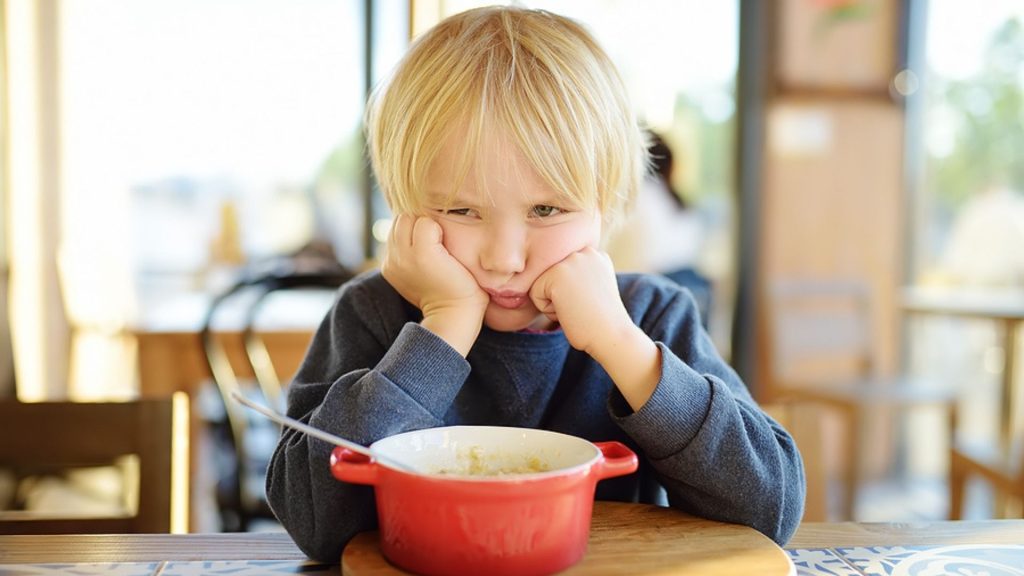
515	320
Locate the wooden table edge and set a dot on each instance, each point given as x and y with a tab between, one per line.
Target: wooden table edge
851	534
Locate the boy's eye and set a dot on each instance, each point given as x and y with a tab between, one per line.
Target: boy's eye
458	212
544	211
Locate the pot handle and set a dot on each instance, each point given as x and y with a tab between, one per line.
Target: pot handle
618	460
351	466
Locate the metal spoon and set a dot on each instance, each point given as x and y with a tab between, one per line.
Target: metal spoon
318	433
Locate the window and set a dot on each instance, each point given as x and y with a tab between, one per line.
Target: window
198	137
970	219
201	133
967	221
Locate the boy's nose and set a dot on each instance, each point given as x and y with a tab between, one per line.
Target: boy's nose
504	251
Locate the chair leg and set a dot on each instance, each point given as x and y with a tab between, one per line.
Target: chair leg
957	474
957	482
854	461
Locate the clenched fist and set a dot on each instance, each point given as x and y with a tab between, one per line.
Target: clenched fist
422	270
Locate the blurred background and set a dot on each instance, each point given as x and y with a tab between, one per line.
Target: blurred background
155	152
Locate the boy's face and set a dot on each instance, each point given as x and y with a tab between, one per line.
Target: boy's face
508	233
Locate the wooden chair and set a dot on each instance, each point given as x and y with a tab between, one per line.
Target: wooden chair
1003	470
53	437
240	490
820	350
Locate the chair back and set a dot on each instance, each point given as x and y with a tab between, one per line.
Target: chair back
819	331
240	493
52	437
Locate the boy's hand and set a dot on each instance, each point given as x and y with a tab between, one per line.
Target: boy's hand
582	294
422	270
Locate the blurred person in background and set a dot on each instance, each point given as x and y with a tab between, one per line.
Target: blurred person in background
986	245
662	234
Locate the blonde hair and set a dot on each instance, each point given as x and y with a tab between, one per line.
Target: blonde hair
540	77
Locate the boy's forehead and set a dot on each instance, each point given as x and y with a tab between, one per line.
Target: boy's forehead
491	161
459	146
470	170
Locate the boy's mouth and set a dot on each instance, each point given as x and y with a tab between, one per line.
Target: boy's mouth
508	299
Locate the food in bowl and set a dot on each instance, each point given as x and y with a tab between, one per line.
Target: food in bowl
494	500
475	461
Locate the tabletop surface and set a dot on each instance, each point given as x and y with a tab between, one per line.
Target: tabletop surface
625	539
992	548
995	547
1005	304
299	309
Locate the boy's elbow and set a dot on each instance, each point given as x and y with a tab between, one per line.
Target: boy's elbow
780	523
785	528
789	513
321	550
297	516
312	543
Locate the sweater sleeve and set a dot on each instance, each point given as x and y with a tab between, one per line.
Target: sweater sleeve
717	453
368	374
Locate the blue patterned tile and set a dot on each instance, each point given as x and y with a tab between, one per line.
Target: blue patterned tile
81	569
819	562
247	568
966	559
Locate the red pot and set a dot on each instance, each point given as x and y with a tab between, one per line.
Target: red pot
458	518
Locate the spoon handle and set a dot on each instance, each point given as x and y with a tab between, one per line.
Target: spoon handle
315	432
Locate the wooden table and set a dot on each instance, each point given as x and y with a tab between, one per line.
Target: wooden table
630	539
170	352
847	534
993	547
1005	307
173	360
817	549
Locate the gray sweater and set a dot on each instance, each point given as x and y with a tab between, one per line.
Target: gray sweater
372	371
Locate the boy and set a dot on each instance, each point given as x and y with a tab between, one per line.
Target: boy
505	145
